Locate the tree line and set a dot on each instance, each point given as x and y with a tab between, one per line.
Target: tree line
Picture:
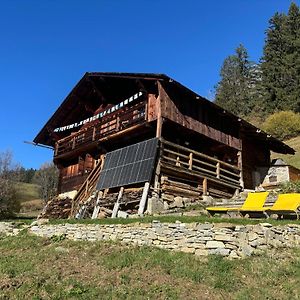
266	92
12	174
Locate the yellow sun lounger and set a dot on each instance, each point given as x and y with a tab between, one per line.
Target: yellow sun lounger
286	204
253	202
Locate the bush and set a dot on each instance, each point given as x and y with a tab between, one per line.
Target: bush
283	125
290	187
9	204
47	178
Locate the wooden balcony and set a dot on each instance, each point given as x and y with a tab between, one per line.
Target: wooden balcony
213	172
115	122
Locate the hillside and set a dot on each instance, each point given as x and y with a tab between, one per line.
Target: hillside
293	160
28	196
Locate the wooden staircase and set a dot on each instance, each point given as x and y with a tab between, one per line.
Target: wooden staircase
87	190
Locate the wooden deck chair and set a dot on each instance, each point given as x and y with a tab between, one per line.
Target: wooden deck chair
253	202
286	204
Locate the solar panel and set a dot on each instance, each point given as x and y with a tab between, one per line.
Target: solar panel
128	165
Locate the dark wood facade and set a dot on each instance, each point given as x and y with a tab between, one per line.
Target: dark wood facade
202	145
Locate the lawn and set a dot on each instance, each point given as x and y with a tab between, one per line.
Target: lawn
39	268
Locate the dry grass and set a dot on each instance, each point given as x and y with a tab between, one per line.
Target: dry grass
28	197
293	160
36	268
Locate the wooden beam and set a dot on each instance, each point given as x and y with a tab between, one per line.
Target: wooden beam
159	121
144	198
218	169
204	187
117	203
240	165
191	161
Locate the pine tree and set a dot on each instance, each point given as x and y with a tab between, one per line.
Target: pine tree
281	62
237	88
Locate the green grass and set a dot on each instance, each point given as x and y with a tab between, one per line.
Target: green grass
39	268
293	160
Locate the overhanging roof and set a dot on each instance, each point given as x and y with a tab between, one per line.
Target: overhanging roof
117	84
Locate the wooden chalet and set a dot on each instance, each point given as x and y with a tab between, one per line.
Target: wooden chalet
202	148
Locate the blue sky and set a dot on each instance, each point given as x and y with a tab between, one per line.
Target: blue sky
46	46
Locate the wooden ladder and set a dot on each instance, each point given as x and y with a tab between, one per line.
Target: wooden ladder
86	190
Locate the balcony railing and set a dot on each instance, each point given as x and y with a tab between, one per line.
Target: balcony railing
182	159
113	123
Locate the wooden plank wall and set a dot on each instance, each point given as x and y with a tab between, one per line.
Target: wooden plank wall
170	111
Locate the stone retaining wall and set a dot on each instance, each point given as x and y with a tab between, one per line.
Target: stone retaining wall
8	228
230	240
234	241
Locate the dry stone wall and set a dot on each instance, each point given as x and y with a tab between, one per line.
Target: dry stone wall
8	228
233	241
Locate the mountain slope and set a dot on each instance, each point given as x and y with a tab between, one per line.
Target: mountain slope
293	160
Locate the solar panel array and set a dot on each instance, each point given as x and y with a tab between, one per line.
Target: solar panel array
128	165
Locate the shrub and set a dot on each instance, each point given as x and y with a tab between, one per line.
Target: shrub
9	204
47	178
290	187
283	125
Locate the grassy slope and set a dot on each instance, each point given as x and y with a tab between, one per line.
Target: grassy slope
293	160
28	196
36	268
27	191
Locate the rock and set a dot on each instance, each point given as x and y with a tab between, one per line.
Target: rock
246	250
219	251
166	205
187	250
178	202
266	224
224	238
231	246
224	225
233	255
201	252
205	226
122	214
252	236
214	244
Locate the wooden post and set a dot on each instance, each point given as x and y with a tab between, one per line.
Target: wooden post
56	149
157	179
204	186
94	133
117	203
87	187
118	123
240	165
97	205
159	127
144	198
218	169
178	161
146	112
73	142
191	161
159	117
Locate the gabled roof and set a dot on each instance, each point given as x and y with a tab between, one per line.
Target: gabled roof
116	85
